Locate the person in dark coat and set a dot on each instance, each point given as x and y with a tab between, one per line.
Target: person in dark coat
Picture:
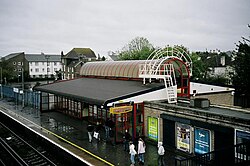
109	125
97	131
127	138
90	129
107	128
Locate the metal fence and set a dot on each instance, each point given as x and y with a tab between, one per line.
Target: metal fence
25	98
235	155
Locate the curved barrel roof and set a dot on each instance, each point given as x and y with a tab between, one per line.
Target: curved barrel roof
129	69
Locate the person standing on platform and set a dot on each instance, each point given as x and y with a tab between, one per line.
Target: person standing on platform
161	152
97	132
107	128
132	153
141	151
90	129
127	138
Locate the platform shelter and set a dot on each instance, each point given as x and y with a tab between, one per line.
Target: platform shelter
117	90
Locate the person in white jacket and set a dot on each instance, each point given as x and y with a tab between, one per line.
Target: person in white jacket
141	150
132	153
161	152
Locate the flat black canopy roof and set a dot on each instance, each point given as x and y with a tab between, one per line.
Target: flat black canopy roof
98	91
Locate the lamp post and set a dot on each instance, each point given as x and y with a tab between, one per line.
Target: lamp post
47	58
1	82
22	88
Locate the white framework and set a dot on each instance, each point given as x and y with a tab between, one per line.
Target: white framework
155	67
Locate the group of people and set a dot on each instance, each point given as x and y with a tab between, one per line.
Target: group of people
141	152
141	149
128	144
95	131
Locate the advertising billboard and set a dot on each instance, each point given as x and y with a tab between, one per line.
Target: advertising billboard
183	137
153	128
201	141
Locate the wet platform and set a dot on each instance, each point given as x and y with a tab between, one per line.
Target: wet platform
75	133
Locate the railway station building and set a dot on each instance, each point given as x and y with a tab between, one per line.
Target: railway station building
152	98
118	89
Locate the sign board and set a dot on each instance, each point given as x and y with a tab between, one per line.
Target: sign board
201	141
183	137
121	109
153	128
15	90
241	136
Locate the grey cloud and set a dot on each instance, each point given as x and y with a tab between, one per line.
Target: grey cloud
59	25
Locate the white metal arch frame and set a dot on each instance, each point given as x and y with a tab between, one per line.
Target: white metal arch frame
170	52
155	67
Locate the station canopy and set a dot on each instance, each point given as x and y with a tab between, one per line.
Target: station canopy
98	91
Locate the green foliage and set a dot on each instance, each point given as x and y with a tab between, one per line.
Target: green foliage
241	79
137	49
8	73
199	68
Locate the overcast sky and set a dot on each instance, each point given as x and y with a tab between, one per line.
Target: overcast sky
52	26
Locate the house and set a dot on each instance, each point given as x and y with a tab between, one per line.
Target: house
34	65
15	62
73	61
43	65
222	66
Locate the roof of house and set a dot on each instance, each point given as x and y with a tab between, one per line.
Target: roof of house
12	55
42	58
98	91
75	63
76	53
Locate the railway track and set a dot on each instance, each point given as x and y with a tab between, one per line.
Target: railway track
16	151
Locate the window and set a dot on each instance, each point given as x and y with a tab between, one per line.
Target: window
19	70
37	69
31	70
55	69
14	69
36	63
55	63
43	69
43	63
14	63
48	63
19	63
30	63
48	69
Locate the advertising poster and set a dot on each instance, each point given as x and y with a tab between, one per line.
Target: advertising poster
241	137
183	137
202	141
153	128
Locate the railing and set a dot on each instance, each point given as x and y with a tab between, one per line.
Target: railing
152	70
235	155
30	98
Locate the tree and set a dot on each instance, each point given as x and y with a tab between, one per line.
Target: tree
241	65
137	49
8	73
241	79
199	68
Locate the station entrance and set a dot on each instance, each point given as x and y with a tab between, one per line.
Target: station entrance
130	118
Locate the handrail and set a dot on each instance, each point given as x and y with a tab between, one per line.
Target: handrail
237	154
